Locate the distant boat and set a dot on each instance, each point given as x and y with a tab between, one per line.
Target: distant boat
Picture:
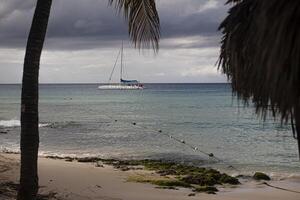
123	84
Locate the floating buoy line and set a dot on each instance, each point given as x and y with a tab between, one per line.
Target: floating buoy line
280	188
182	142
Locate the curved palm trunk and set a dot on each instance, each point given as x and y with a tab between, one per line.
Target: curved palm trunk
29	102
297	118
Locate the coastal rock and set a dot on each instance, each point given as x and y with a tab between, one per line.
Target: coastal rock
261	176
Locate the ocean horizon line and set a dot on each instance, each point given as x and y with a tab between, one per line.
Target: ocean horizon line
114	83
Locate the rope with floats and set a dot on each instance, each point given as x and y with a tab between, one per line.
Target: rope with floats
182	142
280	188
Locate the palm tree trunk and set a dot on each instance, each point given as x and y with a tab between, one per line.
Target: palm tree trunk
297	119
29	103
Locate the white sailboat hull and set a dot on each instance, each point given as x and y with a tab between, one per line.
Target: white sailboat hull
124	84
120	87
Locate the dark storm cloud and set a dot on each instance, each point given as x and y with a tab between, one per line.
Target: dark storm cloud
77	24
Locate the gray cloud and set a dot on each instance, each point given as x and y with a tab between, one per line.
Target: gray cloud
84	37
77	25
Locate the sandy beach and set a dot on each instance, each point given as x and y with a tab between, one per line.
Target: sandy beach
73	180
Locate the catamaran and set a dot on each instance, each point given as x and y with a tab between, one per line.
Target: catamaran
123	84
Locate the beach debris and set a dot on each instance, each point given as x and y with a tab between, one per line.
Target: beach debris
116	120
196	148
182	141
134	123
211	155
261	176
160	131
192	194
98	186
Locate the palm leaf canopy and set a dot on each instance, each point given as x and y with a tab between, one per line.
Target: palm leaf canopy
260	54
143	21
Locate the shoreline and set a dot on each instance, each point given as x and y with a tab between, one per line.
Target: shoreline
275	173
85	180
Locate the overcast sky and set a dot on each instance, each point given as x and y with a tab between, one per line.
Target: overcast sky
84	38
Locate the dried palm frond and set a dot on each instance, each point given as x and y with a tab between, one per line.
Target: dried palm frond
143	19
260	54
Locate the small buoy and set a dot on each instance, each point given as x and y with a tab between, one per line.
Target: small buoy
182	141
160	131
116	120
134	123
211	155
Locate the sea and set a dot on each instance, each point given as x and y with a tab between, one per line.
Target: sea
199	124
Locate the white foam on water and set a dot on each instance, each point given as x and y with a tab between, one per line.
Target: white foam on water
15	123
10	123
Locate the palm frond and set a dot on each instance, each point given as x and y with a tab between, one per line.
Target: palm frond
143	21
260	54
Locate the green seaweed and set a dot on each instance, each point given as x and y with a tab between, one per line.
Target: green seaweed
199	178
159	181
226	179
210	177
206	189
170	183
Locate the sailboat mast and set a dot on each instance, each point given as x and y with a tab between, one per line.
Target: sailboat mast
121	72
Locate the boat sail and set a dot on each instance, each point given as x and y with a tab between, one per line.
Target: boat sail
123	84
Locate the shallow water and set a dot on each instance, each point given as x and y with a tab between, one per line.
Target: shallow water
80	120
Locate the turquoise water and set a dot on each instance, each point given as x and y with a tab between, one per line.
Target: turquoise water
80	120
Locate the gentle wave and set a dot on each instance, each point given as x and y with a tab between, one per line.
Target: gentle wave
64	124
16	123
